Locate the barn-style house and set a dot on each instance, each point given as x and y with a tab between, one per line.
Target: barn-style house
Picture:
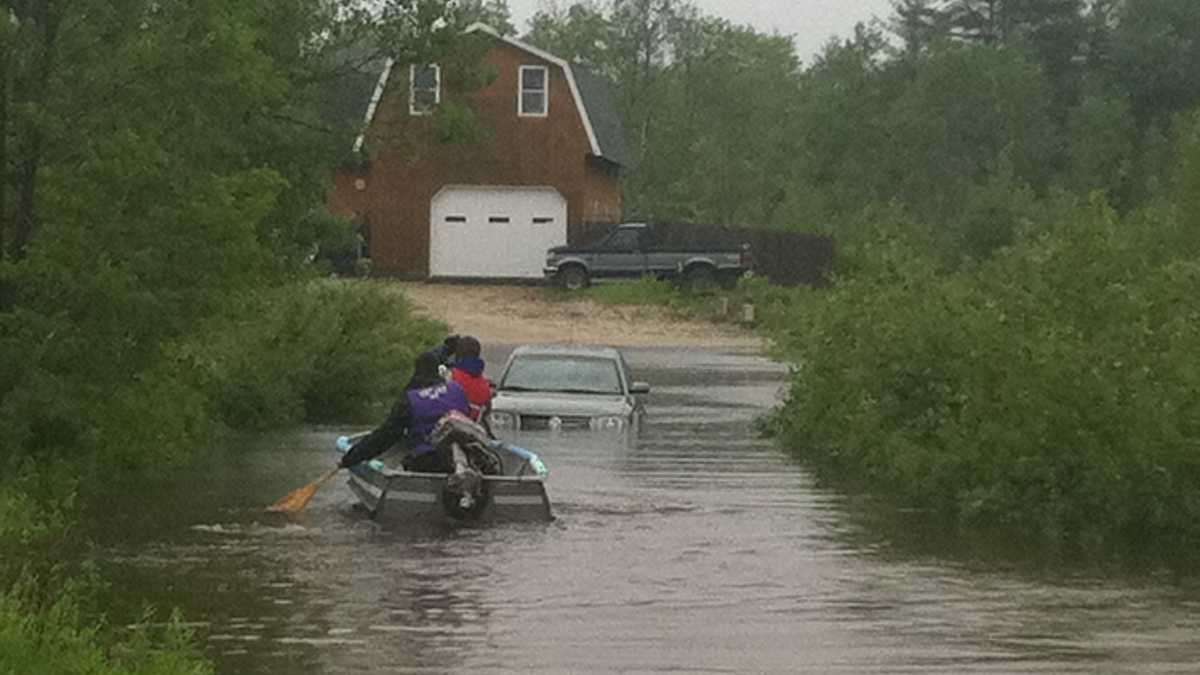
549	162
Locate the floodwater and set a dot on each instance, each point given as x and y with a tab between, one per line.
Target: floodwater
704	549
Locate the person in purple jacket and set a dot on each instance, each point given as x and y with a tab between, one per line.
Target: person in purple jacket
427	397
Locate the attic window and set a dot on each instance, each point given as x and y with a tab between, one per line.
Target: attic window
534	100
424	89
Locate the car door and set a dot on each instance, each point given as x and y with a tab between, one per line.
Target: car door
622	254
658	259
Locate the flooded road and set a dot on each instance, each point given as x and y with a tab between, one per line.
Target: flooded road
702	550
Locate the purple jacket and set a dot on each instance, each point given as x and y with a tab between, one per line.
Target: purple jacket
427	406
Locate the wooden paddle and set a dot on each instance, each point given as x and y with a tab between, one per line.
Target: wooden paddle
297	499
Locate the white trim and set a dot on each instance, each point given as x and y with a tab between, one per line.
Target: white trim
545	91
412	89
378	94
561	63
583	114
498	188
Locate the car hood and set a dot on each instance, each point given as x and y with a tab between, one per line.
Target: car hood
569	250
542	403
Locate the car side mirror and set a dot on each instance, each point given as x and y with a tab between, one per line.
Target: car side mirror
639	388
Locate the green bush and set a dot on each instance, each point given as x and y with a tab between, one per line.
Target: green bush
991	214
339	246
306	351
59	639
319	351
48	596
35	535
1051	389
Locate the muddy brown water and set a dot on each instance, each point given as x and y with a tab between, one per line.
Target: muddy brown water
704	549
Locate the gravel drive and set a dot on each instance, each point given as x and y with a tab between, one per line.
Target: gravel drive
524	314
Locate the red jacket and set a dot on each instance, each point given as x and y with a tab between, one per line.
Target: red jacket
478	387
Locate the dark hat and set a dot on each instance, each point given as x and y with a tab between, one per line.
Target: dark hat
425	371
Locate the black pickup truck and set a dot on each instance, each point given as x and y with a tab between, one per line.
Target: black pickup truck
638	249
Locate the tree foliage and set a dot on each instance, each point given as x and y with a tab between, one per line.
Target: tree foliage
1047	389
700	101
728	125
1013	186
160	163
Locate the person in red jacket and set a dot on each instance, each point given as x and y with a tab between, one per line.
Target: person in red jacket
467	371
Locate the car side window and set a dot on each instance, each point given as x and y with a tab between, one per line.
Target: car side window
649	239
623	240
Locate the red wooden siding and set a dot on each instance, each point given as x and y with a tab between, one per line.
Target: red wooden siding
408	166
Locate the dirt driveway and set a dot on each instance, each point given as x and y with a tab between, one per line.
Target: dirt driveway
520	314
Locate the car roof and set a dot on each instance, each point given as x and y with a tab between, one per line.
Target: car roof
568	350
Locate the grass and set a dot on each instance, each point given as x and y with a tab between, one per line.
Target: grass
58	640
718	305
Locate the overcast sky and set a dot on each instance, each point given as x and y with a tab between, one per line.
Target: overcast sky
812	22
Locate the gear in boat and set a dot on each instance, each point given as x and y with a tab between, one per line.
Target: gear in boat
489	479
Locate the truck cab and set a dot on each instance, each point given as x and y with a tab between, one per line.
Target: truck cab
632	250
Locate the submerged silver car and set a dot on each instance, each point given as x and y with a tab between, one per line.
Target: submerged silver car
559	388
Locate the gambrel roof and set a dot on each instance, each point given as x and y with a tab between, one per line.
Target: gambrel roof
601	113
593	100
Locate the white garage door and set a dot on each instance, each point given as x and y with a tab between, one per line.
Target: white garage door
494	231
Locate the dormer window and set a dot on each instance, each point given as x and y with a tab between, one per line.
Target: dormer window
534	100
424	88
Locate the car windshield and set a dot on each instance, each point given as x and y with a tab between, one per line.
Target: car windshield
574	374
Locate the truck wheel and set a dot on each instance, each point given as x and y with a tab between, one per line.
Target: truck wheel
700	279
573	278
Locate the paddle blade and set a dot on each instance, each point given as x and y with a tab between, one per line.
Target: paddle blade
297	499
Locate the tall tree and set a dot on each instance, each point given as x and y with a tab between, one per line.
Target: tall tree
581	33
161	155
1099	145
30	35
707	106
494	13
629	43
728	114
994	21
969	111
1055	30
918	23
1156	57
841	118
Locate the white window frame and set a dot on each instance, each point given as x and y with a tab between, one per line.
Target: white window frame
412	89
545	91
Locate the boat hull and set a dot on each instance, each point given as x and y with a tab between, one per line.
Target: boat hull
518	495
